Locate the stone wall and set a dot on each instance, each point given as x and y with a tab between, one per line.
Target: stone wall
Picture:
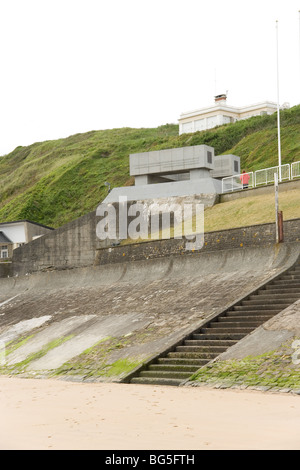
238	238
76	245
69	246
6	269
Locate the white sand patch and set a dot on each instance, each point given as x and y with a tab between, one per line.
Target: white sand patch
53	414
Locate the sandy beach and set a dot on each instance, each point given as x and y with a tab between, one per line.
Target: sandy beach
55	414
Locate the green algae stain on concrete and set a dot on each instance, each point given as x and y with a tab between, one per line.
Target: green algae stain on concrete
274	370
107	360
20	367
12	346
90	350
122	367
96	363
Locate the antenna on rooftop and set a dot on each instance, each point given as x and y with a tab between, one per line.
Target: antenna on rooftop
215	81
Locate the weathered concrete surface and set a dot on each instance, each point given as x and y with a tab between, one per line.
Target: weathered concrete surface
268	337
37	342
124	312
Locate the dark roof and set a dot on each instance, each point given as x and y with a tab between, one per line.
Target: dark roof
4	239
26	220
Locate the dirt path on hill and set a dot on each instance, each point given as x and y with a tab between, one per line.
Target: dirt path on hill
55	414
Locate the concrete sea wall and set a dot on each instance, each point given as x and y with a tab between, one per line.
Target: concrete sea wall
76	245
100	322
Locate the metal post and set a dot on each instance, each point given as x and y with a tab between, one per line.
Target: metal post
278	110
276	205
280	226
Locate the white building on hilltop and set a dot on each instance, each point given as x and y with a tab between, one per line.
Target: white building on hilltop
219	114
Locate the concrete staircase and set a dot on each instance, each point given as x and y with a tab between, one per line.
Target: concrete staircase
224	331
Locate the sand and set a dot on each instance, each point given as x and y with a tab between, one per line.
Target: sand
56	414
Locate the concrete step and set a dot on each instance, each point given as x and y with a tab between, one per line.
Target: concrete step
191	346
205	350
192	355
165	374
287	276
276	299
294	275
280	290
250	313
247	318
261	303
235	324
286	282
263	307
228	336
277	293
155	381
174	367
182	361
283	283
215	331
214	342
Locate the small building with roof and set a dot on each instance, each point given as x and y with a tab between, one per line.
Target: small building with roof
17	233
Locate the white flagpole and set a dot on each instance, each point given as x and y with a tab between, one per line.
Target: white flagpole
299	41
278	110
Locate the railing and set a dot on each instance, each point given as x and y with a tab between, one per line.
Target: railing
295	170
261	177
234	183
266	175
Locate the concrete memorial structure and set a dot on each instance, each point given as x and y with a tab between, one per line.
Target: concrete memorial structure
178	172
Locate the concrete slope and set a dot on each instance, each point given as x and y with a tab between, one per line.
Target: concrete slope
100	323
224	332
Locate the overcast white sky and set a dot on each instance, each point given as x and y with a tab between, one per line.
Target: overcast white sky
70	66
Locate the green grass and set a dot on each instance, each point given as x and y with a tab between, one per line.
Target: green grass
241	212
251	211
273	370
57	181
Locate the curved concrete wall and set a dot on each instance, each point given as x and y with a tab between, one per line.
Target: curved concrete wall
101	322
258	259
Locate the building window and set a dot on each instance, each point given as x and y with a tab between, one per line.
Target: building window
4	251
227	119
211	122
200	125
209	157
236	166
187	127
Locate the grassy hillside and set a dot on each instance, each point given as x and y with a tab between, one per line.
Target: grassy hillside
54	182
